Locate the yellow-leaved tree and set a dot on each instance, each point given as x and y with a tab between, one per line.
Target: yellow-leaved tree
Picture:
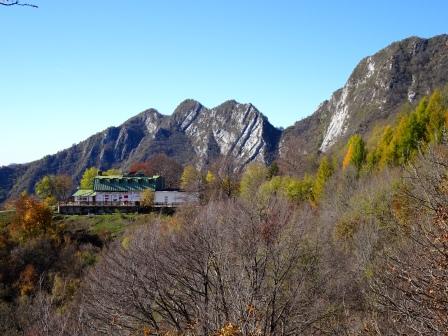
147	198
54	188
323	174
356	153
190	179
253	177
437	112
88	177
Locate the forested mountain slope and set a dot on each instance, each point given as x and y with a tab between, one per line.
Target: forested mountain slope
379	86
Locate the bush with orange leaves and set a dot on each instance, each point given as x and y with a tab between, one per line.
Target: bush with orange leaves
229	330
27	281
32	219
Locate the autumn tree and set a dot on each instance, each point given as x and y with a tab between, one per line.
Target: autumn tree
112	172
294	189
406	140
377	157
27	280
356	152
54	188
32	219
300	190
209	177
276	186
223	179
437	112
253	177
191	179
414	130
88	178
324	172
147	198
162	165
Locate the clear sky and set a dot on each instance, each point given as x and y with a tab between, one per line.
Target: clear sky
72	68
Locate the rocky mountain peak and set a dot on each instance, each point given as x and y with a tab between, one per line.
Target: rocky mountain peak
231	129
380	84
185	113
192	134
186	106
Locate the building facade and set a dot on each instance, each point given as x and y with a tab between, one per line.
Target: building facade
118	189
174	197
122	190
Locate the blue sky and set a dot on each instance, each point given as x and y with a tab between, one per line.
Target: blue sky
72	68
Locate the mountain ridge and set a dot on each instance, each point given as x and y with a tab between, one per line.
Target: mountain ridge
193	134
379	85
403	72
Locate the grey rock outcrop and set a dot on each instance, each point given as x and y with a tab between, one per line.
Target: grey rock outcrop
378	87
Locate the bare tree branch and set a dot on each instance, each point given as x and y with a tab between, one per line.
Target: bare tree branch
16	3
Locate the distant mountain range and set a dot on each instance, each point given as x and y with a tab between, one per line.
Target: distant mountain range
375	91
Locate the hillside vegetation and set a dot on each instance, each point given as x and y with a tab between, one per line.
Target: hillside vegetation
357	247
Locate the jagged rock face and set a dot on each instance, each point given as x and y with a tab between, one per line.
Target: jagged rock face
380	84
193	134
231	129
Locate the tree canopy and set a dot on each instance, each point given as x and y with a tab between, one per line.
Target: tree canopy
253	177
162	165
191	179
88	178
356	152
323	174
53	188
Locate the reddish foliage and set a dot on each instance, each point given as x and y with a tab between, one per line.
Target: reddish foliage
32	218
27	280
162	165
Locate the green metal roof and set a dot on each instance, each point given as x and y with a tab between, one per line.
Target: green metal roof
126	183
84	193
